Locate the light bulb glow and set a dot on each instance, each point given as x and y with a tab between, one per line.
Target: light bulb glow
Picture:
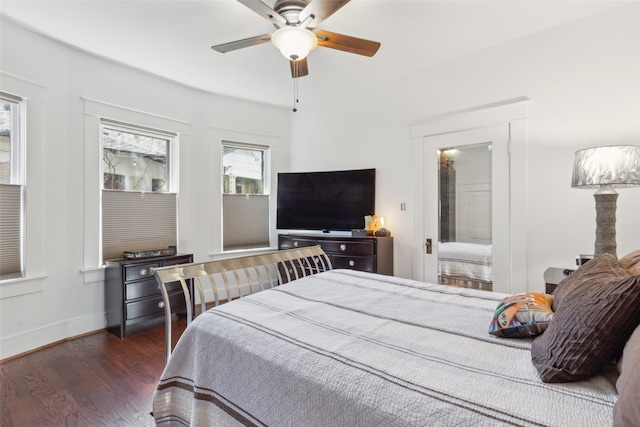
294	43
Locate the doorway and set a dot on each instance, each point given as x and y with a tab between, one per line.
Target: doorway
486	210
466	174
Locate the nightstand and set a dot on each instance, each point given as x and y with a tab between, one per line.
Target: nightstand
553	276
132	293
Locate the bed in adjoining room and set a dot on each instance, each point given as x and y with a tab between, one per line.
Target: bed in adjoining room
344	347
467	265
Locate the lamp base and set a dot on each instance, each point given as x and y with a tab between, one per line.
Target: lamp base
605	223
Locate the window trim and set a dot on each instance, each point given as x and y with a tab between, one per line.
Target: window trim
13	193
94	111
34	97
266	193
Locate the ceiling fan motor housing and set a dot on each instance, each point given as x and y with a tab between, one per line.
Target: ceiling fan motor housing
290	10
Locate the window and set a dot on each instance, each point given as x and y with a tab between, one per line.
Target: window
245	201
133	160
138	202
11	188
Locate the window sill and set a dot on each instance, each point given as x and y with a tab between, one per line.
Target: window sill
21	286
93	274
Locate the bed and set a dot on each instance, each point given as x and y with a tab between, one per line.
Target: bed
465	264
343	347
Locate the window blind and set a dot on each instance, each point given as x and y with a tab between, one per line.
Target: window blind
10	230
137	221
245	221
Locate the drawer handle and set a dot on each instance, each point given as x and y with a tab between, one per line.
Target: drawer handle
144	271
295	244
161	304
343	247
351	263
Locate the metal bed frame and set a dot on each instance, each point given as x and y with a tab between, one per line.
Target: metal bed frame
237	275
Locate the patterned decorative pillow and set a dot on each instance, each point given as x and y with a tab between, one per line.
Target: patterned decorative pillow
522	315
631	262
626	412
602	268
588	331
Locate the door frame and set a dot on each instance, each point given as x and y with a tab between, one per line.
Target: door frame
512	112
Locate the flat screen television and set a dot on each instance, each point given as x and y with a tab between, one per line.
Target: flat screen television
327	201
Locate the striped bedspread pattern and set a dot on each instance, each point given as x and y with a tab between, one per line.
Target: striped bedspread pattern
346	348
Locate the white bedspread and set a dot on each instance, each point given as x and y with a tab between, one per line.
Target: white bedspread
466	259
346	348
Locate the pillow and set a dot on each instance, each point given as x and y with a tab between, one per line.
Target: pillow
522	315
588	331
626	412
602	268
631	263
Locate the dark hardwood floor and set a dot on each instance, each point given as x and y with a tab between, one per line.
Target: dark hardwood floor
94	380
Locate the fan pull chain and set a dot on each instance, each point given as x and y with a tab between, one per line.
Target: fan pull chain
295	87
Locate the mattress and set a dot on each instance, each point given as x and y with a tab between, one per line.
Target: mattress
352	348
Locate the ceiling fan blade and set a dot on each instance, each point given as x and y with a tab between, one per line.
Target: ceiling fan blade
265	11
239	44
320	10
347	43
299	68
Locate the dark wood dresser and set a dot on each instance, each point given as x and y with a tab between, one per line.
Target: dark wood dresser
132	294
372	254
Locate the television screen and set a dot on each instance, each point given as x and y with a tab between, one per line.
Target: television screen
328	201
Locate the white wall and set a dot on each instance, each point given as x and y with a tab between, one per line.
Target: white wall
62	301
583	79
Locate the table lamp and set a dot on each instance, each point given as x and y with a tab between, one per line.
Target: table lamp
605	168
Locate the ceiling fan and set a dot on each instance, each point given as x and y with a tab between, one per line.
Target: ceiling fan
296	33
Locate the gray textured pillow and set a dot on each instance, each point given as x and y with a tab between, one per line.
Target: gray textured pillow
626	412
602	268
589	330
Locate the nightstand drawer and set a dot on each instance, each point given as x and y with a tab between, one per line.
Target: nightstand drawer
353	262
139	271
182	260
351	248
147	288
150	306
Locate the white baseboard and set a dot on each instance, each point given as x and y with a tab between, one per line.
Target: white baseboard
36	338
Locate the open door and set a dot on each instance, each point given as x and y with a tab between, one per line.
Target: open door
466	208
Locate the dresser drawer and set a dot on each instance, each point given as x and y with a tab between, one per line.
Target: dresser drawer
353	262
351	248
150	306
145	288
292	243
139	271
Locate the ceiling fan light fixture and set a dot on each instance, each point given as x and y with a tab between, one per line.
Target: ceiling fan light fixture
294	43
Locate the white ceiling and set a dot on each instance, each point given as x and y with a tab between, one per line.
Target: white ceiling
172	38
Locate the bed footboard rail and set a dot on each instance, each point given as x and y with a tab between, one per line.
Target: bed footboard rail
236	277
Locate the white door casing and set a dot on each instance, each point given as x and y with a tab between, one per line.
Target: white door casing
498	137
508	119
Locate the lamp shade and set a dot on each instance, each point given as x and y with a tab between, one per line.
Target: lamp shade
617	166
294	43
